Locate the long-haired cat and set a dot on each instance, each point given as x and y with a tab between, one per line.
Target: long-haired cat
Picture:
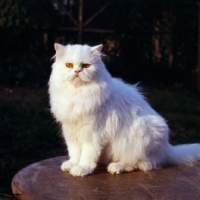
106	120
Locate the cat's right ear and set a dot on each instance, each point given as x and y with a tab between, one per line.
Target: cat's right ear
60	50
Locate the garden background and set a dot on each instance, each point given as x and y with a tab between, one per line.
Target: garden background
156	43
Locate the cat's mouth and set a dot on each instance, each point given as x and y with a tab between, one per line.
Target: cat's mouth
76	76
79	78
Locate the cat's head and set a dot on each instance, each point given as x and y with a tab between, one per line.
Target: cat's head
78	64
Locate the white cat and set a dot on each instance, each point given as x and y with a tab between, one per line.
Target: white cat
106	120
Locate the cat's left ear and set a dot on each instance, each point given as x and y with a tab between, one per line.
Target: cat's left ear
97	49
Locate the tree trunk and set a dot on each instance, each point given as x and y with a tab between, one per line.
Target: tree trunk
198	55
171	55
80	21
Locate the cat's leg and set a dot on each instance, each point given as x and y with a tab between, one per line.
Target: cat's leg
74	151
74	154
118	168
89	157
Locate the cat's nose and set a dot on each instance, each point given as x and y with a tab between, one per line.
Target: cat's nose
77	71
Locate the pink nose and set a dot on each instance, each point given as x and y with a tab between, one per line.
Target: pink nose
77	71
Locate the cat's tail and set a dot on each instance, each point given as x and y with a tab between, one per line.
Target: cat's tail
183	154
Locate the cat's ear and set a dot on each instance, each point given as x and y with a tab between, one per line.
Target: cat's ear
60	50
97	49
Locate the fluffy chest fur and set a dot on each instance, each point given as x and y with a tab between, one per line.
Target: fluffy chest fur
77	104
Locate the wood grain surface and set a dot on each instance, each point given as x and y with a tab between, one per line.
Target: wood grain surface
45	181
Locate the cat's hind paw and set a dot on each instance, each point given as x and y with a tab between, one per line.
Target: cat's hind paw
145	166
66	166
117	168
80	171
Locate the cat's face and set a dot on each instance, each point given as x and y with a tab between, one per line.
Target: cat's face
78	64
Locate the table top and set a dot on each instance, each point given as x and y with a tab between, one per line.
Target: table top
45	181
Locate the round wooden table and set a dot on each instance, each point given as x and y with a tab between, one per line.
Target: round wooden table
45	181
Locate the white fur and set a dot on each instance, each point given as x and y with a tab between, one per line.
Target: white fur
104	119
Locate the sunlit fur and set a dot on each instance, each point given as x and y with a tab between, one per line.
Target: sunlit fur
106	120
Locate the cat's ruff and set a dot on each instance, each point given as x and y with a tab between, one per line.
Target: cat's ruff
106	120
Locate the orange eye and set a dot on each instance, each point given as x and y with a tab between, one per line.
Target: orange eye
69	65
85	65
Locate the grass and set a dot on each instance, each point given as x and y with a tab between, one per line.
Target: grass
28	133
181	109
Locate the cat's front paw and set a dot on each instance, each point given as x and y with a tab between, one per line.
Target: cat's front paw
80	171
66	166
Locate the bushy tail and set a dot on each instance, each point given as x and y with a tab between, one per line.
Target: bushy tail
183	154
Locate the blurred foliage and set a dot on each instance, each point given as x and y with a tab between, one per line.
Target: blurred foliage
19	14
146	33
24	47
174	24
14	14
